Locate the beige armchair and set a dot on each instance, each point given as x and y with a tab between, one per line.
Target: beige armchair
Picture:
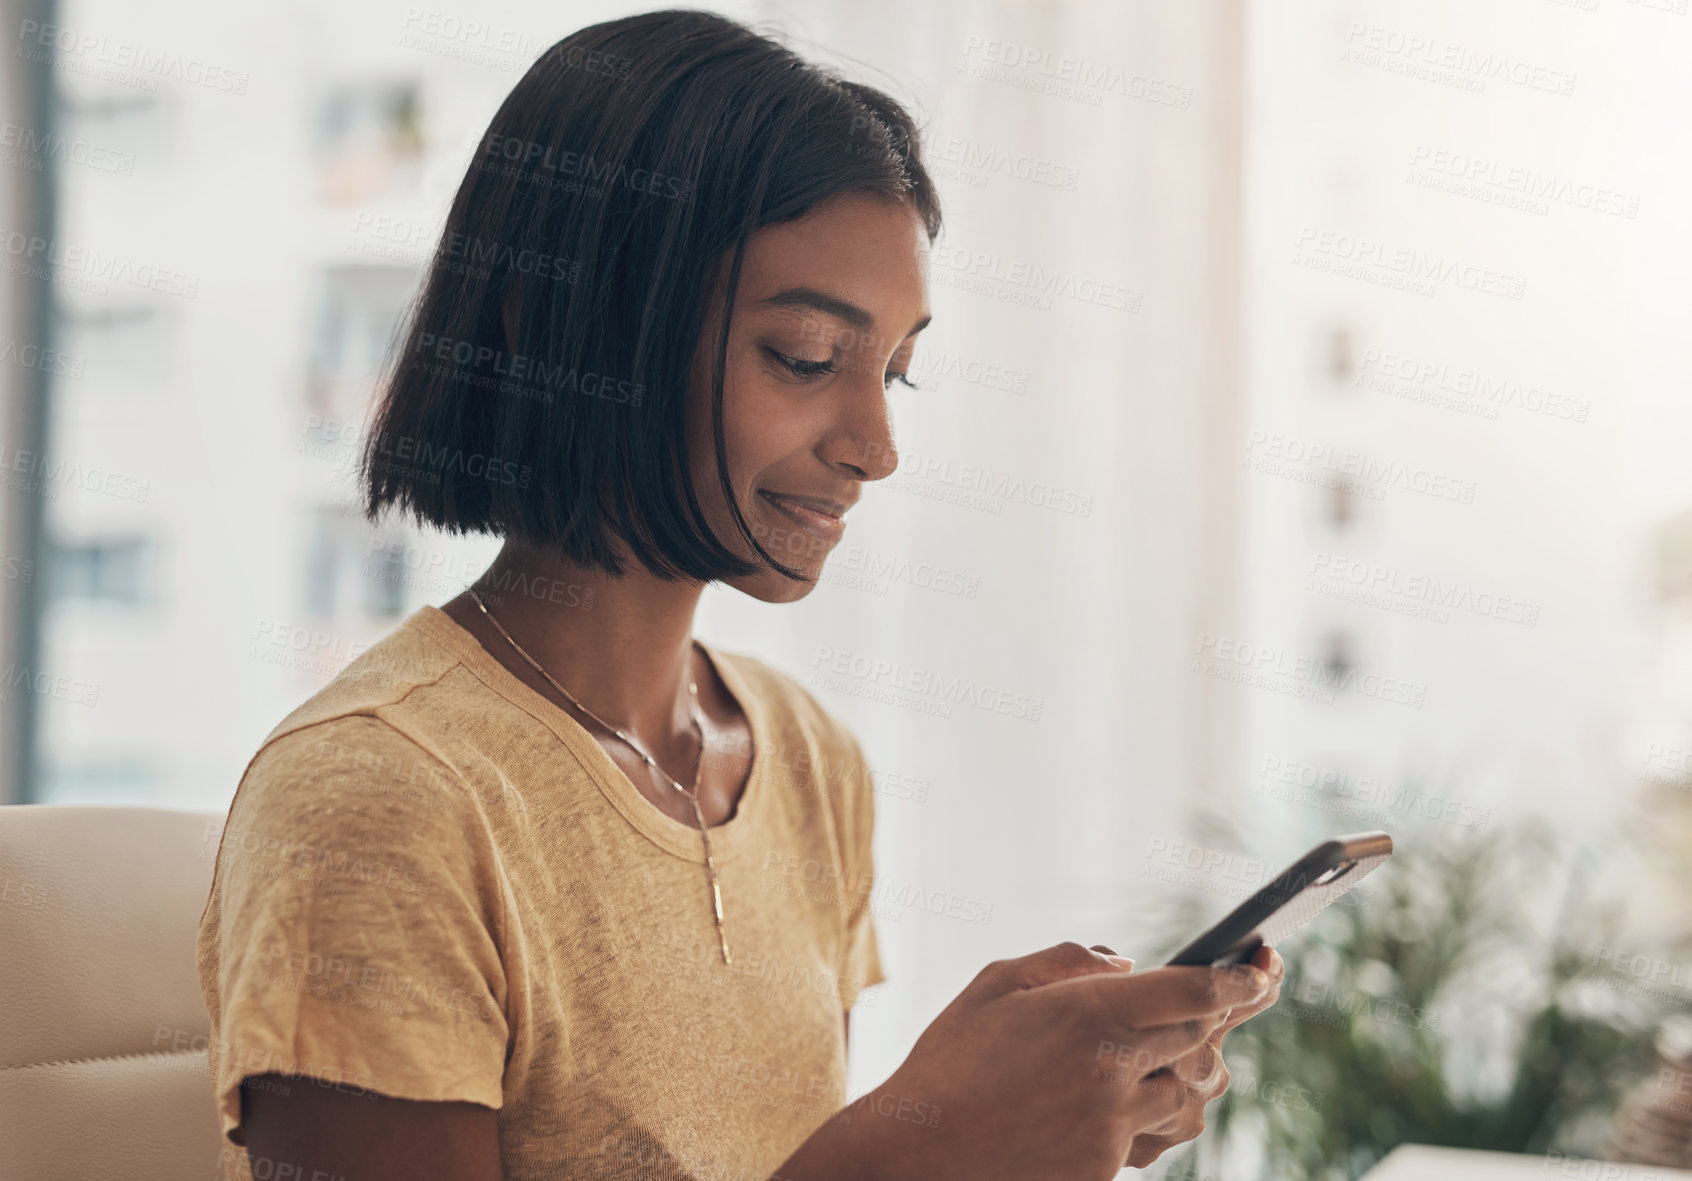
103	1032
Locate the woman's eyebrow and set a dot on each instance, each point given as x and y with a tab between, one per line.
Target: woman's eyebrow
830	305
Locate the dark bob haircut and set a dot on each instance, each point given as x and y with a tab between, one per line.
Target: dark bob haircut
619	170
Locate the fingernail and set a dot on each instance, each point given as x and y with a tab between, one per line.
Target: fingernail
1120	961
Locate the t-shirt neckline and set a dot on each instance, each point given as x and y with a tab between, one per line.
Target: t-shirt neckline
728	839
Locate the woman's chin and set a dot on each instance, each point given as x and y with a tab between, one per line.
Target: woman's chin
769	586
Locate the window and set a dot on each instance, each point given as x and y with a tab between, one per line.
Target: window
344	567
117	347
115	570
369	140
359	312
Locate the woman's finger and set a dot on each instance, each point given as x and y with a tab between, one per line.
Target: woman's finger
1148	1146
1201	1068
1165	996
1246	1012
1269	961
1144	1052
1122	961
1162	1099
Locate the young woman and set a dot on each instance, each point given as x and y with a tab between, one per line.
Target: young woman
540	886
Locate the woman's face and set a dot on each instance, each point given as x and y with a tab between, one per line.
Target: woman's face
825	321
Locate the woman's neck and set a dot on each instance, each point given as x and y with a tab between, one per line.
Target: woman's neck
622	646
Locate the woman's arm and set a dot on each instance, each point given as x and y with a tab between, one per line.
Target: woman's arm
304	1129
331	899
1047	1065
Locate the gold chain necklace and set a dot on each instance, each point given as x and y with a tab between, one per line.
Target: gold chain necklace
692	796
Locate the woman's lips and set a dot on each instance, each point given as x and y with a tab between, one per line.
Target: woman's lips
817	524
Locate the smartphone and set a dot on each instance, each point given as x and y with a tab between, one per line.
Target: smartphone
1296	896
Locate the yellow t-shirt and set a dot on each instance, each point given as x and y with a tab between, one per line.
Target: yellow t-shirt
434	884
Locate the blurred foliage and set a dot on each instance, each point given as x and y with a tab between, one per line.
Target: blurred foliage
1467	1004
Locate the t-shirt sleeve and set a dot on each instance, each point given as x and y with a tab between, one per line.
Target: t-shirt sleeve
861	962
352	934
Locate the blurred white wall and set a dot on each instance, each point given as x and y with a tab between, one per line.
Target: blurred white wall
1483	202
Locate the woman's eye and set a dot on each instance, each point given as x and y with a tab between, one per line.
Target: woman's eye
802	368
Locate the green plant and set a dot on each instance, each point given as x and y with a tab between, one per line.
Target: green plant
1465	1005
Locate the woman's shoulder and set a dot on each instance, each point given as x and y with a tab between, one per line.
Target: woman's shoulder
379	675
366	729
353	778
361	745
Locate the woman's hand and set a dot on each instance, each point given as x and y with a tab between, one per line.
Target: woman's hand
1041	1067
1203	1072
